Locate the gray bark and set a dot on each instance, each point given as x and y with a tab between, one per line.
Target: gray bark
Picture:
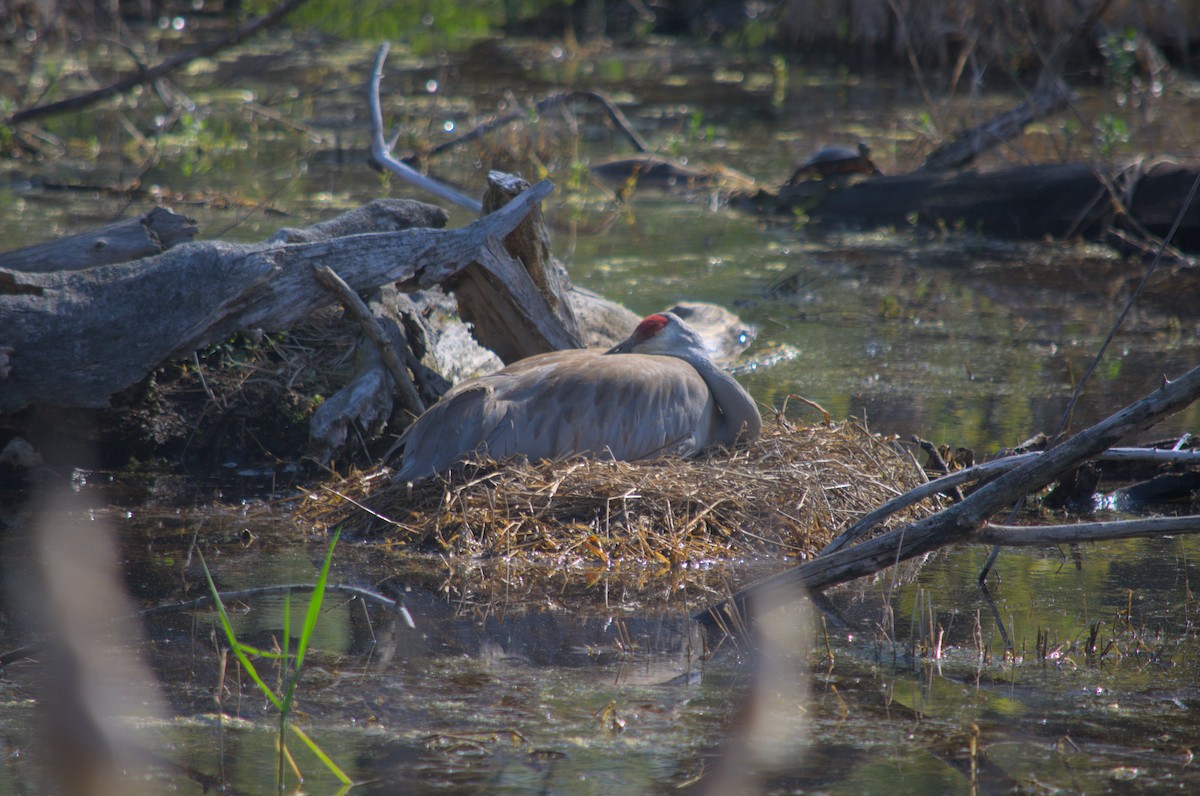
537	317
148	234
79	337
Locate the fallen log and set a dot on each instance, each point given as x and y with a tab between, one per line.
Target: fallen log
149	234
79	337
1031	202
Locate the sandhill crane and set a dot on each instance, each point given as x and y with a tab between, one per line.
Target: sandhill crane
656	393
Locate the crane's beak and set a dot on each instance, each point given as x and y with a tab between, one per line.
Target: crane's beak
621	348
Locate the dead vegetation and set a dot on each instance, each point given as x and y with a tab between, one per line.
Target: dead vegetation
243	399
784	496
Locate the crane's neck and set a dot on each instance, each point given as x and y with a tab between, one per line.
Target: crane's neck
740	419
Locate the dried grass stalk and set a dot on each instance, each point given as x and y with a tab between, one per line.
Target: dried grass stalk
786	496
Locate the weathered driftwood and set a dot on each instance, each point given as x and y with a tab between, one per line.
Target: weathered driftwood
1059	201
149	234
380	215
368	400
962	522
539	316
79	337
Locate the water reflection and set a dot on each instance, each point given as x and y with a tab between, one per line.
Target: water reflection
540	697
603	692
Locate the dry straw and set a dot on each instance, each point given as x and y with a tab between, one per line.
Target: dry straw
784	496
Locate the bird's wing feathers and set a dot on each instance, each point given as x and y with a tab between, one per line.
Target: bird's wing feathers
446	433
553	405
629	407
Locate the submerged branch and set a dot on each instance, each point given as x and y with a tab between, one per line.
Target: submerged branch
396	606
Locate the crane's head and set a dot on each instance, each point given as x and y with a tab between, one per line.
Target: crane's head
662	333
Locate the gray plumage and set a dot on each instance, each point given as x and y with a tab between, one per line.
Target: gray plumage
657	393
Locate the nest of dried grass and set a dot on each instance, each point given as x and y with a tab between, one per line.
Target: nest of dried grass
788	494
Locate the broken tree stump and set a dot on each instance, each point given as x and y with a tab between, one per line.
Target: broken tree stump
515	294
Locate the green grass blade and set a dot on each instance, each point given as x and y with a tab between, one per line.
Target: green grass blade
324	758
310	623
314	603
257	652
287	621
233	642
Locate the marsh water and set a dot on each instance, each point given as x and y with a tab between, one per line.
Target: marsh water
1078	673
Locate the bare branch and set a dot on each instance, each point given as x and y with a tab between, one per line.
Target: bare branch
383	153
618	118
961	522
969	474
1026	535
370	327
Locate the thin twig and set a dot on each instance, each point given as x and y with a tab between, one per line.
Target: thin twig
618	118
